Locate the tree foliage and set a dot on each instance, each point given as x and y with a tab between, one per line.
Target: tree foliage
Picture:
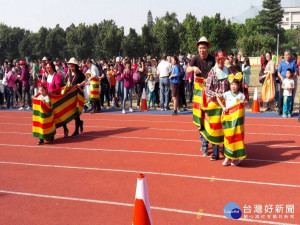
164	34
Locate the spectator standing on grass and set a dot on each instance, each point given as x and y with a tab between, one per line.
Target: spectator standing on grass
25	86
189	79
175	79
140	85
246	69
111	74
288	85
163	71
294	57
128	86
1	90
287	63
10	78
270	68
151	87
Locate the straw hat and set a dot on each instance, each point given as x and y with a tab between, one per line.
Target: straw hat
44	59
203	40
73	61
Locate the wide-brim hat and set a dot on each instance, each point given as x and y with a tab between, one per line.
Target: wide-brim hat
73	61
203	40
44	58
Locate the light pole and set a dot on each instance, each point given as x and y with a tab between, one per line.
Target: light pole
277	48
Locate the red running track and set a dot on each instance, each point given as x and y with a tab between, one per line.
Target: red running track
91	179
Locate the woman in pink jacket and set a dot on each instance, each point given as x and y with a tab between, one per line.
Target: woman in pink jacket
10	78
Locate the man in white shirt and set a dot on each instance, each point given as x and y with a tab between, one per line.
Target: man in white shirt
163	71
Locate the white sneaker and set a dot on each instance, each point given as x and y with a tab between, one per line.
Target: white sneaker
226	162
21	108
107	107
235	162
28	108
131	110
123	111
137	107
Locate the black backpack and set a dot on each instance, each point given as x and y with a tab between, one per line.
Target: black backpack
181	72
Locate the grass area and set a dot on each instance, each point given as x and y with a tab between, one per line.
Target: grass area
254	82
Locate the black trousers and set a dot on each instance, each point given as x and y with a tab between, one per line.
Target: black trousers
112	92
139	89
26	91
156	91
181	95
280	100
77	124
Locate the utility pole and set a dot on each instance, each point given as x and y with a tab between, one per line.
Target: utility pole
277	48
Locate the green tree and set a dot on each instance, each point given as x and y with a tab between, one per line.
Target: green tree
41	42
55	42
166	34
131	44
270	17
108	41
189	34
219	32
150	22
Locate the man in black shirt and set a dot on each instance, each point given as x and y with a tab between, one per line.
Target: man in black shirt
201	64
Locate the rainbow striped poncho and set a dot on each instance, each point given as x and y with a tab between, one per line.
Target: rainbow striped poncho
94	88
65	107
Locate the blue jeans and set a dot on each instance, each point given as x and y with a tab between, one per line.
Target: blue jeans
9	97
164	85
120	89
205	146
126	92
287	104
151	99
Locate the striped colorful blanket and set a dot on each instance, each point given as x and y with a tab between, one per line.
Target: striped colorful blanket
43	120
233	127
94	87
65	107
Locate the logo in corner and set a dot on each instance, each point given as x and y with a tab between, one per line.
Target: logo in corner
232	211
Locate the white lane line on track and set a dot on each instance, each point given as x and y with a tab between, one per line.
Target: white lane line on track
133	151
163	121
149	172
132	205
150	128
149	138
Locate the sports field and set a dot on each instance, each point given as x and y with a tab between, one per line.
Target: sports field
91	179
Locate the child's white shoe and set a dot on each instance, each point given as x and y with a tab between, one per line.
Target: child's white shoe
235	162
123	111
226	162
131	110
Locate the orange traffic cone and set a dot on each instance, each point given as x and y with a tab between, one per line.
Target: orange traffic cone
141	213
255	103
144	101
